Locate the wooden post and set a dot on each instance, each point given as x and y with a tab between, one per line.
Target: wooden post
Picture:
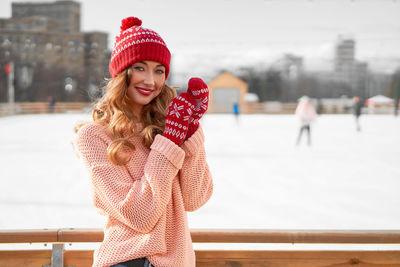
57	255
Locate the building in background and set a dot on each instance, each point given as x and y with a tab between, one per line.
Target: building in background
345	59
226	91
348	70
52	57
66	15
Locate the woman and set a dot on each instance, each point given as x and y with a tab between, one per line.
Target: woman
144	151
305	113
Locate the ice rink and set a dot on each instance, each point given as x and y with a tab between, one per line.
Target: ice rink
345	180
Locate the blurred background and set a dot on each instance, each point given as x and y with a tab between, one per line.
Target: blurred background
261	60
329	50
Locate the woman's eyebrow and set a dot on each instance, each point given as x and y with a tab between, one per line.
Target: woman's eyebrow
159	65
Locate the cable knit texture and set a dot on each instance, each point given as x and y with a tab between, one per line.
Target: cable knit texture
177	121
146	200
135	44
199	91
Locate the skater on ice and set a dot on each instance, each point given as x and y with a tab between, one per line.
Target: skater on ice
305	113
357	106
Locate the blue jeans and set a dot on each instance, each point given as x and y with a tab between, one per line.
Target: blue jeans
143	262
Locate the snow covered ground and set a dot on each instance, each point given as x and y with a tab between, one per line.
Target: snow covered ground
345	180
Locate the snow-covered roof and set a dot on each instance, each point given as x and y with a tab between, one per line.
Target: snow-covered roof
380	99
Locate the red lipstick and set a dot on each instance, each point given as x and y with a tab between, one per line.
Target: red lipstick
144	91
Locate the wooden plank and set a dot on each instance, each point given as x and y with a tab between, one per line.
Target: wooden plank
259	236
296	236
216	236
296	258
26	258
28	236
78	258
80	235
265	258
219	258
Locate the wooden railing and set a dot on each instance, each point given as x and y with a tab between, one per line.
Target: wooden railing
42	107
58	256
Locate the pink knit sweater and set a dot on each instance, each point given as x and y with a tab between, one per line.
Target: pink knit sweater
146	200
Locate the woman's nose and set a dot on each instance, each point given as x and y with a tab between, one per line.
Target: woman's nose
149	79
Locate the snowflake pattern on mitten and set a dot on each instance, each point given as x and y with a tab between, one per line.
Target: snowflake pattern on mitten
199	91
179	113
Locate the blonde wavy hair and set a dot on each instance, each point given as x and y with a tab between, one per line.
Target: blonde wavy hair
113	111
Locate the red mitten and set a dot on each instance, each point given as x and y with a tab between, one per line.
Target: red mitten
198	90
177	120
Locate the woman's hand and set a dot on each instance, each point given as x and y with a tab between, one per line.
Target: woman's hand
198	90
180	111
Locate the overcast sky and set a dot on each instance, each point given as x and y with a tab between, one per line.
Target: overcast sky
220	34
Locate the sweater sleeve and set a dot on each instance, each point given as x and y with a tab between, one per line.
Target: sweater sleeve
195	177
137	203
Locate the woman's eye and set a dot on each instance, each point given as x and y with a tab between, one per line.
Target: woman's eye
160	71
139	68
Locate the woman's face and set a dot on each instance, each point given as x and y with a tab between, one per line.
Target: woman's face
146	82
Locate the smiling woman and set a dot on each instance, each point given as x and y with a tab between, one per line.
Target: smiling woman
145	154
146	79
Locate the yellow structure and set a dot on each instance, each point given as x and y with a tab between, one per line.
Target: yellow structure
226	90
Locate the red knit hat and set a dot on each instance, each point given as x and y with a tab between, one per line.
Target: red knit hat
135	44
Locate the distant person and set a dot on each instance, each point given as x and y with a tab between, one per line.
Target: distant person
305	113
52	103
319	106
357	106
145	154
236	111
